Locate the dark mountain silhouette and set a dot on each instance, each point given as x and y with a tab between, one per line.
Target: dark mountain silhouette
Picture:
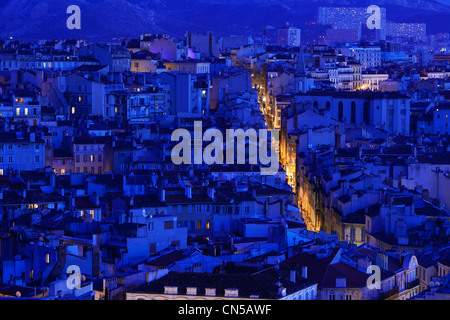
105	19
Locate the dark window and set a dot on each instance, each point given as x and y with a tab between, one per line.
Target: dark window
366	113
353	112
168	225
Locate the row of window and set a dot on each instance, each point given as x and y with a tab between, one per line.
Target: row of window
10	146
91	147
88	158
194	224
10	159
334	296
63	162
91	171
217	209
24	111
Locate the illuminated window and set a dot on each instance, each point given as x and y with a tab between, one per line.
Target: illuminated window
91	213
73	110
80	99
191	291
17	112
92	158
170	290
199	224
207	224
26	111
47	258
210	291
231	293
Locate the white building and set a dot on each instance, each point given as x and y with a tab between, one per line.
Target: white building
368	57
290	37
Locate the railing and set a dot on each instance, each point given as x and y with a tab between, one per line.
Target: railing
413	284
388	294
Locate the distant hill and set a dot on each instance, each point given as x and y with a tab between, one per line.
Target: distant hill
105	19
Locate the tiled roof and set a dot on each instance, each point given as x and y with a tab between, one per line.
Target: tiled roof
12	289
85	202
317	267
167	259
354	277
182	199
11	197
262	284
147	200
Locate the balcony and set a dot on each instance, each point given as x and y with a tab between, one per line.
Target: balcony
413	284
389	295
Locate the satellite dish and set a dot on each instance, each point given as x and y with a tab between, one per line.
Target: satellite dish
18	294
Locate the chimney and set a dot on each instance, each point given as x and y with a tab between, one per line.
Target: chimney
385	261
305	272
211	192
188	192
32	137
292	276
154	179
162	195
282	291
95	199
24	193
52	179
132	201
426	195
